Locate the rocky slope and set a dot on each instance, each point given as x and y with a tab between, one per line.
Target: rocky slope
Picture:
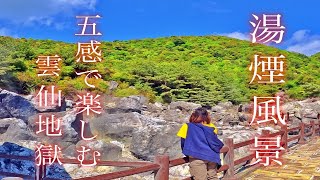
129	129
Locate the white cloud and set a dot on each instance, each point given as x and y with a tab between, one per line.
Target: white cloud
42	12
299	35
237	35
307	48
90	4
304	42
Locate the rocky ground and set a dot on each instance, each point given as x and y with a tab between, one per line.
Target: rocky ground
129	129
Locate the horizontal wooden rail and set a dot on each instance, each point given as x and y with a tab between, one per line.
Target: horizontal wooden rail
276	134
308	125
180	161
309	133
244	143
124	173
177	162
223	168
294	129
8	174
51	178
293	138
109	163
244	159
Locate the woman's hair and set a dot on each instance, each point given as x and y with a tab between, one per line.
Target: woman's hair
200	115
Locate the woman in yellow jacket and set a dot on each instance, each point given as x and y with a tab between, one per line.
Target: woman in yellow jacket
200	143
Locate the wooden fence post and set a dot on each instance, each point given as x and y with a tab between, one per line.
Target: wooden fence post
37	175
313	129
284	137
163	172
229	159
301	139
38	172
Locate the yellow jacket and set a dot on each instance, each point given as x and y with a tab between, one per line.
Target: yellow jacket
184	129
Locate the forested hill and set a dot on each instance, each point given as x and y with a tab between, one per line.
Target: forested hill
205	69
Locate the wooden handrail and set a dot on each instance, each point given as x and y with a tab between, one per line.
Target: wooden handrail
244	159
293	138
8	174
294	129
109	163
244	143
308	134
124	173
161	164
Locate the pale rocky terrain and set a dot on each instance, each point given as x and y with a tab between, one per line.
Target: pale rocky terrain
129	129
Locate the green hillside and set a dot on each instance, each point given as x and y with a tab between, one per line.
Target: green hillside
205	69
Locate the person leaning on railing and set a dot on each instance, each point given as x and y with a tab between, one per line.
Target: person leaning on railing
200	143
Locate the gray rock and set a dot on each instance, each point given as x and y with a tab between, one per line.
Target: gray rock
148	141
225	105
246	108
14	105
311	104
234	123
127	104
302	108
294	132
174	115
240	108
50	107
15	129
159	105
120	125
108	151
15	165
113	85
310	113
70	151
184	106
243	117
14	149
239	136
55	171
4	113
117	125
69	103
217	108
69	134
226	117
155	108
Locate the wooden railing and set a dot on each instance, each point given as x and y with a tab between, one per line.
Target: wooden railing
161	164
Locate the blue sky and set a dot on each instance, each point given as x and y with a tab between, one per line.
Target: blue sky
138	19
